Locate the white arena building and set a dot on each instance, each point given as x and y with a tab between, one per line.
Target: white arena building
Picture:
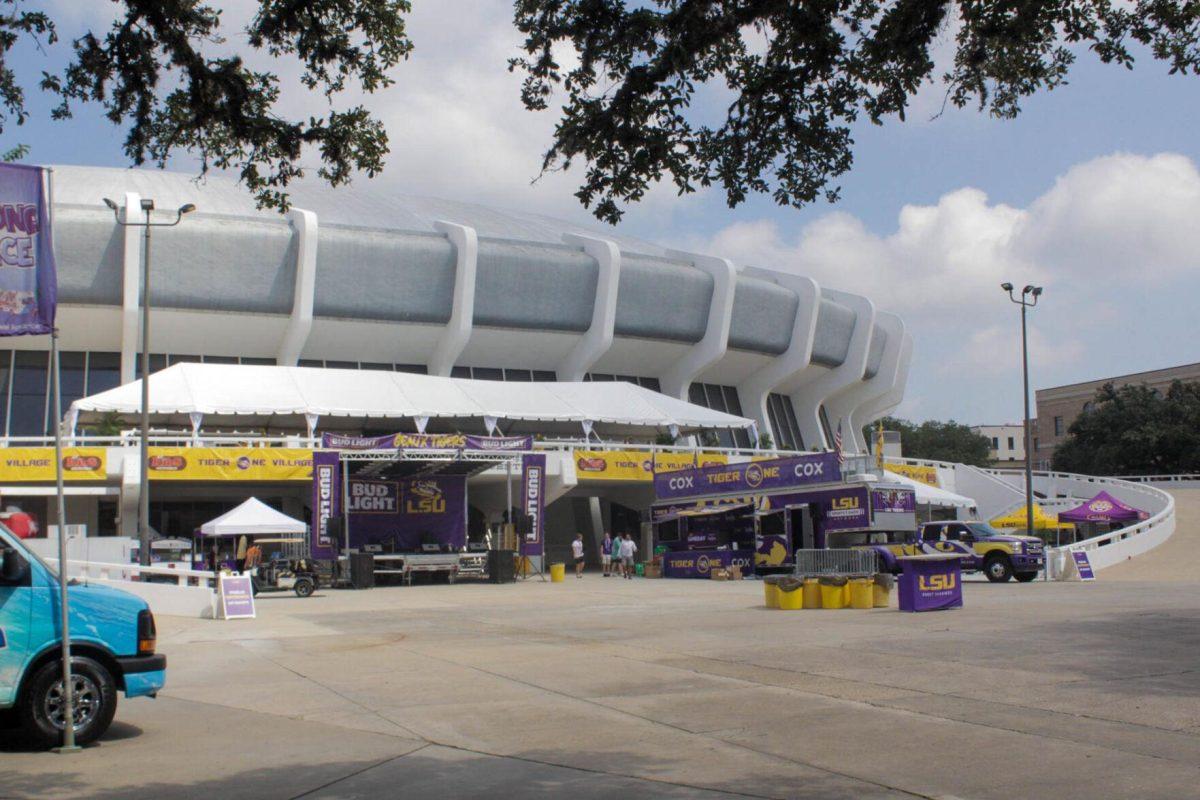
354	278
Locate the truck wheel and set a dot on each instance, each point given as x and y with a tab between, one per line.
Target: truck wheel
94	699
304	587
1026	577
997	568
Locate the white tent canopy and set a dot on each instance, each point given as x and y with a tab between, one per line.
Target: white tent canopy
265	394
930	495
253	517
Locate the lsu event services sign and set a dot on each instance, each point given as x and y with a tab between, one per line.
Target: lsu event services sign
28	464
230	464
755	477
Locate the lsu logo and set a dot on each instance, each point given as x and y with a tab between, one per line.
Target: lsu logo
425	497
754	475
844	503
937	583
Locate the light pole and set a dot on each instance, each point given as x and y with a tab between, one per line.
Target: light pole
1027	300
144	490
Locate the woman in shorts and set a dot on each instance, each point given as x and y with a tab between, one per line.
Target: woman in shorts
577	552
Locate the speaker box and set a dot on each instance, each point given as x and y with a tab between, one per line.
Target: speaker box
501	568
362	570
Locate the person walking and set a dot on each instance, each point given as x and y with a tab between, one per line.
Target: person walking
606	553
628	552
577	552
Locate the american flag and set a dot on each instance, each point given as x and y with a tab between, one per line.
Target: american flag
837	445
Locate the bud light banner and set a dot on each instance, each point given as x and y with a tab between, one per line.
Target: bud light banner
403	515
533	502
427	441
757	476
28	286
326	502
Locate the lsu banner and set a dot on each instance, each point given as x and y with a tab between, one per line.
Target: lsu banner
895	500
230	464
426	441
326	502
406	514
25	464
636	465
28	286
926	475
533	501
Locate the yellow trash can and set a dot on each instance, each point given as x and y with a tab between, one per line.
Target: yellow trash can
790	600
771	594
882	590
558	572
862	594
812	593
833	592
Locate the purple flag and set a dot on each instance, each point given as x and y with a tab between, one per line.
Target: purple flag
28	286
326	502
533	502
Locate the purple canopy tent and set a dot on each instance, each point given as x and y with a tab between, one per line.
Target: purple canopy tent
1103	508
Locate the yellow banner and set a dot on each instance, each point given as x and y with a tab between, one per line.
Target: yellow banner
20	464
230	464
635	465
926	475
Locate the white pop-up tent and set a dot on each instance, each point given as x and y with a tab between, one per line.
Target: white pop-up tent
930	495
295	397
253	518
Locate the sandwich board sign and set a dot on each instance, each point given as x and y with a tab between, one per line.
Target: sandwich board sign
237	597
1083	566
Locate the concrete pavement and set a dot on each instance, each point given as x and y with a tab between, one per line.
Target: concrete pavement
605	688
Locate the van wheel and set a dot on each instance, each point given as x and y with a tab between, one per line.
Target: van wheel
94	695
304	587
997	568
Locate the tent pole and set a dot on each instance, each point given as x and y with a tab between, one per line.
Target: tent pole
508	495
346	504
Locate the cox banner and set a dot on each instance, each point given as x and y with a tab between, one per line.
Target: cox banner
636	465
700	563
758	476
28	287
533	501
326	501
230	464
426	441
23	464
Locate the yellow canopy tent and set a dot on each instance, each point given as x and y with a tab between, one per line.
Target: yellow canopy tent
1042	521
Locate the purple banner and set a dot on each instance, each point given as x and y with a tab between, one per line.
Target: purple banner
771	550
1083	565
841	509
700	563
326	502
427	441
930	583
405	514
237	597
757	476
900	500
533	502
28	286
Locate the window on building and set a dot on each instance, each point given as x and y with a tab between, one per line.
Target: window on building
260	362
543	375
650	383
104	372
158	361
27	414
416	369
782	417
208	360
520	375
1058	426
995	442
178	359
312	362
460	372
1036	445
341	364
826	428
1011	443
73	371
487	374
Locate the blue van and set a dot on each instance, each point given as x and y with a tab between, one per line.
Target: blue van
112	649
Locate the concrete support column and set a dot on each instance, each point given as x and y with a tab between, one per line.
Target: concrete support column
712	346
462	309
304	225
792	364
599	336
131	287
808	399
885	404
859	399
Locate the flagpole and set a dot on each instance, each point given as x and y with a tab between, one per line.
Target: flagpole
68	695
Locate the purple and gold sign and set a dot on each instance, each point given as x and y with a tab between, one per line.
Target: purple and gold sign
326	502
427	441
756	476
406	514
533	499
701	563
896	500
930	583
28	284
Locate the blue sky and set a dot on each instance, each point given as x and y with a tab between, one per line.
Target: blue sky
1093	192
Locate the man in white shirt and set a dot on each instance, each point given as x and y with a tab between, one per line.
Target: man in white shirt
577	553
628	551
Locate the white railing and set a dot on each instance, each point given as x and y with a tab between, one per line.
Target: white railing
134	572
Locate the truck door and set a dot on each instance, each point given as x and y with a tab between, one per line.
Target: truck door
16	604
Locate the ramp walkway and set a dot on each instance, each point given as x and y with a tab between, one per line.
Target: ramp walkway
1176	559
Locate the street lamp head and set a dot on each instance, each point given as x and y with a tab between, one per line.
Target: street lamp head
147	204
1027	290
1006	287
187	208
110	204
1037	291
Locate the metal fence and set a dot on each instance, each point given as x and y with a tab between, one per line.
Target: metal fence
848	562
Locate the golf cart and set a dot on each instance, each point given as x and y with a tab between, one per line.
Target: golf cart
287	568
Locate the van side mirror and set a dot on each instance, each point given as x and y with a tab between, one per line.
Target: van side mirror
13	567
